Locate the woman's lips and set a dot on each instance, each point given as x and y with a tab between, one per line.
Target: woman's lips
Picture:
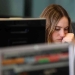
60	39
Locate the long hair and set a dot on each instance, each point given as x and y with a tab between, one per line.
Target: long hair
53	13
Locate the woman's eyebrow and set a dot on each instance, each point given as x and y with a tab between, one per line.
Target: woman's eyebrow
61	27
58	26
66	26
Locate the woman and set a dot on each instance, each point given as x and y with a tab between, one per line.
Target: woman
58	24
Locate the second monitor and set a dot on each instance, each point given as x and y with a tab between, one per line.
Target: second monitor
21	31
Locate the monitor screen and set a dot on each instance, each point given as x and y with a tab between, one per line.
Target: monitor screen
39	59
21	31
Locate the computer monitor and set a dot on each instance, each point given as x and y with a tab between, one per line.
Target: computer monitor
74	58
38	59
21	31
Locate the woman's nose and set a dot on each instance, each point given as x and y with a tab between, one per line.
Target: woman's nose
62	33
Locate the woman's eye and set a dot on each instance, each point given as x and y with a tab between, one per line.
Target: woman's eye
66	29
57	29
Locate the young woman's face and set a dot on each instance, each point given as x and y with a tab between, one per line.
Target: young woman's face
60	30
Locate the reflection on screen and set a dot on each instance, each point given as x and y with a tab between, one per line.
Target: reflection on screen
45	62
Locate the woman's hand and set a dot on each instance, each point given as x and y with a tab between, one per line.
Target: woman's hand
68	38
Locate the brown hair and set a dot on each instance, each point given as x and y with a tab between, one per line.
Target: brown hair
53	13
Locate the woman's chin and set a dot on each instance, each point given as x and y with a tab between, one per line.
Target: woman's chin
58	41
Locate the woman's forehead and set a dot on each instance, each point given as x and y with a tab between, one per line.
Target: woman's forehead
63	22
